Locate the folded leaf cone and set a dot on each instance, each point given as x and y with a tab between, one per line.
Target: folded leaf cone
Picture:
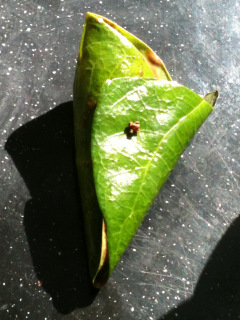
120	80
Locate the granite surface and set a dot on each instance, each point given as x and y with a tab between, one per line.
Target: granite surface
184	262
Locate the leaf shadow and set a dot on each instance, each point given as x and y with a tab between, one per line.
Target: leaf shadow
217	294
43	152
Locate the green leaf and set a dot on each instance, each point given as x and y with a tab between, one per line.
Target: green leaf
120	171
130	170
107	51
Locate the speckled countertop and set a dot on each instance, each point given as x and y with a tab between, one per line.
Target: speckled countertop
184	262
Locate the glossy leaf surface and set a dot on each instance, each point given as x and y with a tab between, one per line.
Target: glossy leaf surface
130	171
107	51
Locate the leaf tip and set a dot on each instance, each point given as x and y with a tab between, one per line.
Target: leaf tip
211	97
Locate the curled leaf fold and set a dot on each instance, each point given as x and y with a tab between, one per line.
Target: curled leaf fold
119	81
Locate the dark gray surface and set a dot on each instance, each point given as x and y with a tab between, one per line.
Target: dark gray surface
184	261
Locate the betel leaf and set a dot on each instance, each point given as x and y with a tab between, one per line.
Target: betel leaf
121	84
107	51
130	171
